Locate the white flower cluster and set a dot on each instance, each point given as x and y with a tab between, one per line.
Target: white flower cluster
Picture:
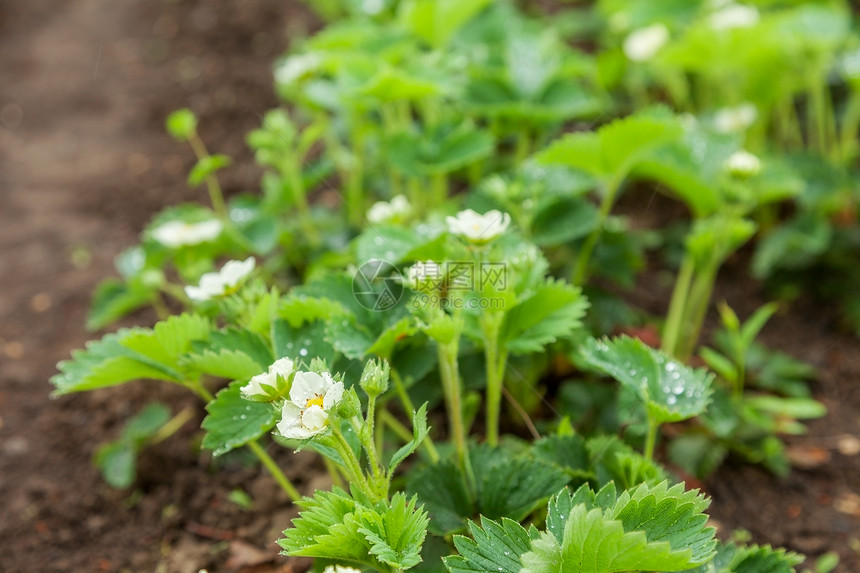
175	234
643	44
735	119
220	283
731	16
743	164
267	386
394	211
312	397
477	228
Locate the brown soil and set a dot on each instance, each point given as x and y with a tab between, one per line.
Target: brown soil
86	163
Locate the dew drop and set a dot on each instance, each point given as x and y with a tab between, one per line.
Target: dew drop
671	399
303	352
242	417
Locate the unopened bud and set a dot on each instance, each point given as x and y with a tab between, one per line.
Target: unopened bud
374	379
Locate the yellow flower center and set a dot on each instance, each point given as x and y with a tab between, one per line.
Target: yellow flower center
317	400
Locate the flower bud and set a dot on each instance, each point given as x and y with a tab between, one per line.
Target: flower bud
374	379
350	405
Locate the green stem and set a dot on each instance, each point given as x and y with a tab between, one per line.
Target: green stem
273	468
160	308
495	358
197	387
440	188
293	172
850	127
675	315
651	437
402	431
172	426
400	388
697	306
450	373
580	270
216	196
368	440
524	145
353	466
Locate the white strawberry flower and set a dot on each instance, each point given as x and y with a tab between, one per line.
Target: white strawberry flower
312	397
733	16
175	234
735	119
743	164
340	569
643	44
220	283
267	386
477	228
395	210
424	274
296	67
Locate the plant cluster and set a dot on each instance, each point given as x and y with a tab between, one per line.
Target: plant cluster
434	241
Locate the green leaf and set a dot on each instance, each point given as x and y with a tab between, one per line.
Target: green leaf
304	343
328	528
616	462
594	543
349	338
146	423
753	325
233	421
795	244
648	528
510	485
436	21
616	148
230	364
298	310
117	462
697	454
182	124
568	452
764	559
116	358
176	334
443	491
385	243
670	390
114	299
206	167
493	547
396	534
384	345
442	150
563	221
553	311
246	341
419	432
668	514
335	526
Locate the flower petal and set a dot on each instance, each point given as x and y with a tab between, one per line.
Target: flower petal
282	367
307	385
333	396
